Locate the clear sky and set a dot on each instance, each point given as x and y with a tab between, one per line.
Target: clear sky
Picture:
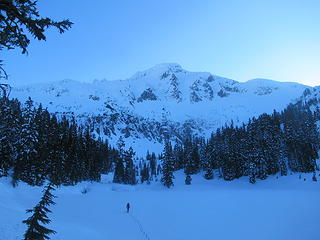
112	39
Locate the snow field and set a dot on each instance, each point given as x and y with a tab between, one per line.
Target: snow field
284	208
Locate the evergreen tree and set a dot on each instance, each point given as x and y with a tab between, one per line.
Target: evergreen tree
10	120
119	172
167	166
179	156
129	172
118	176
153	164
145	176
27	166
55	156
252	173
314	177
209	173
195	160
36	230
188	180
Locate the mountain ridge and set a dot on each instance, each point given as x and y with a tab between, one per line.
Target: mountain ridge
161	102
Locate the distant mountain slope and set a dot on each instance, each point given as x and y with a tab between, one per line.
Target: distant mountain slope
311	98
165	100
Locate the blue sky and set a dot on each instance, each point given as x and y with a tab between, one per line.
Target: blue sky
112	39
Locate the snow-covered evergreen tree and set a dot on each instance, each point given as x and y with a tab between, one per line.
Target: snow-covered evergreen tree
167	166
35	223
188	180
129	171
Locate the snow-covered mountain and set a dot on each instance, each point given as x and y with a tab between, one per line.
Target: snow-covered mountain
311	98
163	100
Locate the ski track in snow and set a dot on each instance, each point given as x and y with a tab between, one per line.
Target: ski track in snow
136	220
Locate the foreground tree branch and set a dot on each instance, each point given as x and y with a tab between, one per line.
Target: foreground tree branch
20	20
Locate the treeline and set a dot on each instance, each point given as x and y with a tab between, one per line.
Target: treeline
36	146
267	145
132	171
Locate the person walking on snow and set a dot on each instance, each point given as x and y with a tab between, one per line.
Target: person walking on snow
128	207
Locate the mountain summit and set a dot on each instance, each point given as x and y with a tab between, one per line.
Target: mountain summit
162	101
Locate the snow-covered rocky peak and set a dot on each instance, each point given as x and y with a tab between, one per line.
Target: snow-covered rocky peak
311	98
159	71
163	100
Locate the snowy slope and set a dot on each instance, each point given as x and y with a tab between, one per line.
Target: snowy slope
276	209
311	98
162	101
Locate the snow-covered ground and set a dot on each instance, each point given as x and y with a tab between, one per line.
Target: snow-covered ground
284	208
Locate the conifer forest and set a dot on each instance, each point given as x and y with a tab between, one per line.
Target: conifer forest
37	146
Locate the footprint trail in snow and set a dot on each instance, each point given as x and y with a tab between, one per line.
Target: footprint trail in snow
146	236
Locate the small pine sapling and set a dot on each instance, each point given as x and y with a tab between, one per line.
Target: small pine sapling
314	178
188	180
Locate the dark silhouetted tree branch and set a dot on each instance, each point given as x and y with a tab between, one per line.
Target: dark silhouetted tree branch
20	20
